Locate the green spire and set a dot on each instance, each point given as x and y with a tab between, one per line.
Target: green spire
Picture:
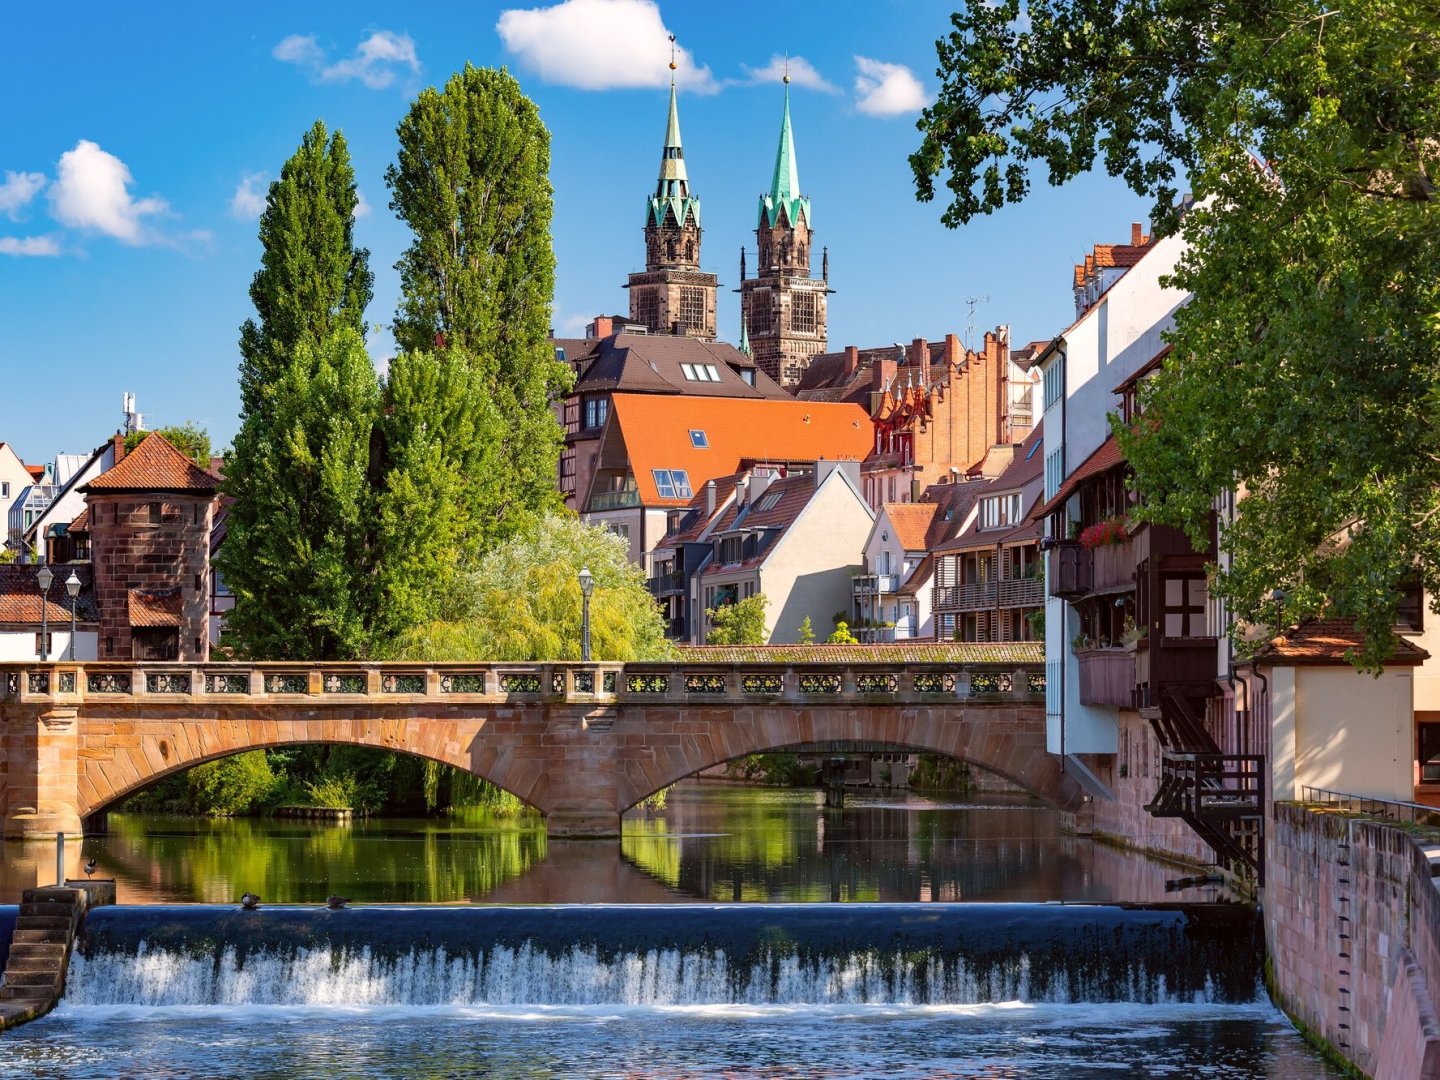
745	337
784	194
672	191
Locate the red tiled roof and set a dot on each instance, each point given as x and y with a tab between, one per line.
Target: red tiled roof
37	472
81	524
954	501
1106	456
656	430
155	465
911	522
20	595
155	608
956	652
1330	641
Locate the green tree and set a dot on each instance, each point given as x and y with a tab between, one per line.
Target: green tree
842	635
741	623
807	632
472	182
522	602
189	438
297	551
1303	369
312	278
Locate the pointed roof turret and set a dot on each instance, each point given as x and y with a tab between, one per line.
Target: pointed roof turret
744	345
784	194
672	191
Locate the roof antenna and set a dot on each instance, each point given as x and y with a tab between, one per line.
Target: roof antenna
973	302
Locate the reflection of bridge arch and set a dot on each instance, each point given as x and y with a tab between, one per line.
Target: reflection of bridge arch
581	743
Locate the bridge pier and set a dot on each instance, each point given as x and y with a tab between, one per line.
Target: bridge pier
582	824
42	774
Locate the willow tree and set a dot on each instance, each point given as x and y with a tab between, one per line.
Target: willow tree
472	182
1304	368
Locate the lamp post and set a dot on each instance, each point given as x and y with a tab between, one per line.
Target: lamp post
587	586
72	586
43	579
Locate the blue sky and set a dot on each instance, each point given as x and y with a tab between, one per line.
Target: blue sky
136	150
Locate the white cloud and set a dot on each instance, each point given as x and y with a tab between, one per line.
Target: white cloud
802	73
883	89
29	245
376	62
17	191
92	191
362	208
600	45
248	202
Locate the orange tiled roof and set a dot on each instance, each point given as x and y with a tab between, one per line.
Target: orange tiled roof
154	609
155	465
37	472
949	652
81	524
911	522
1330	641
20	596
656	429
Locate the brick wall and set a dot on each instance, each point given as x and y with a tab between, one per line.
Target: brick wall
1352	922
152	543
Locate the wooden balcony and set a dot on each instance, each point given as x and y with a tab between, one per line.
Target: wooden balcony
1107	677
1070	569
1022	592
976	597
1114	567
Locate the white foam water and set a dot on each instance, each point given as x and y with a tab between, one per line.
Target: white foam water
525	977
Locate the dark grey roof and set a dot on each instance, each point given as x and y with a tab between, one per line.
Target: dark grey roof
651	364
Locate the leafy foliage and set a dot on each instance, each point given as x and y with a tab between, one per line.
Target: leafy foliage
233	785
189	438
807	632
312	279
842	635
1303	370
522	602
740	623
472	182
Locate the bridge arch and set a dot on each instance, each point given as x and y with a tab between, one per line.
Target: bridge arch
1009	743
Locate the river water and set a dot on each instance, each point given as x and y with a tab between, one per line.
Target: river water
901	936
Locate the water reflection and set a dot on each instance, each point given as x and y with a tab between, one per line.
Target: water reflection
712	843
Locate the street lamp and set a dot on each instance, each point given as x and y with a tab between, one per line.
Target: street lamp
587	586
72	586
43	579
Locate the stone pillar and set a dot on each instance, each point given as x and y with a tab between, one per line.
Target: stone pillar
578	789
43	775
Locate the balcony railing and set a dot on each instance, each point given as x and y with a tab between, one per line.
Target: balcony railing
1107	677
876	584
975	597
1114	567
1022	592
615	500
667	584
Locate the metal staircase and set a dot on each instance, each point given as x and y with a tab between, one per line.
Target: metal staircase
1219	795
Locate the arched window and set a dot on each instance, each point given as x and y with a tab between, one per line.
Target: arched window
690	251
670	248
800	253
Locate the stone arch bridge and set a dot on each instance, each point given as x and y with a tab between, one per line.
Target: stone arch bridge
580	742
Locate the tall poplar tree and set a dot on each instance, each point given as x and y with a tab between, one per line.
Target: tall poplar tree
312	278
472	182
297	553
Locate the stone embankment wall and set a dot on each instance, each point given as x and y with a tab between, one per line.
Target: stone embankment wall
1352	922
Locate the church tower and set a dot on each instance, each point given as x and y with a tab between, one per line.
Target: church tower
783	308
673	295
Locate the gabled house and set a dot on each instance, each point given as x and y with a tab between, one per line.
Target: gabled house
893	593
936	408
686	549
22	622
988	579
623	362
14	480
794	538
655	453
46	514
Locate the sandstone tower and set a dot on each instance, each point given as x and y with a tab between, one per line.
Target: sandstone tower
782	308
673	295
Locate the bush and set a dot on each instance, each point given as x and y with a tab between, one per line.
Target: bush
240	784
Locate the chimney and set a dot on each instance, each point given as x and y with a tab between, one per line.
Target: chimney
1137	234
852	361
117	443
602	327
709	499
882	373
918	357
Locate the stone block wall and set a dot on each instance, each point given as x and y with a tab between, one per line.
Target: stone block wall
1352	924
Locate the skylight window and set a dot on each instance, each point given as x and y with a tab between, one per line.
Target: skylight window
700	372
672	483
698	440
768	501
